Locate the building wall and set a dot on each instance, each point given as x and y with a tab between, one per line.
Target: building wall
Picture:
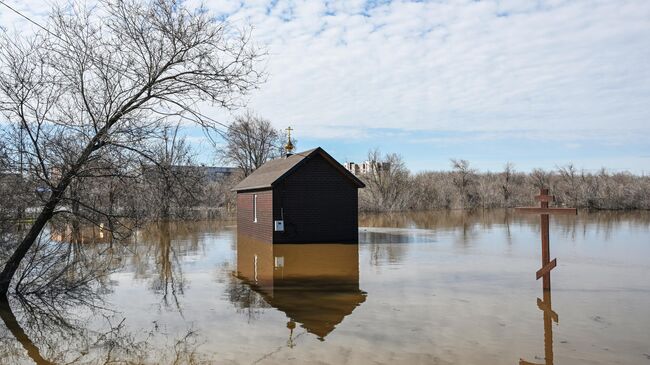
246	227
318	203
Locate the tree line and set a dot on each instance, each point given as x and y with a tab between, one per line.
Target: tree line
395	188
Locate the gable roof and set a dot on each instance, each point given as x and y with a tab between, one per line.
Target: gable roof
267	175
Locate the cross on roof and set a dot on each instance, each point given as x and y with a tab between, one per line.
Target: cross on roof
289	146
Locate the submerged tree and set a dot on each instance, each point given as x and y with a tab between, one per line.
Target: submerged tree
101	81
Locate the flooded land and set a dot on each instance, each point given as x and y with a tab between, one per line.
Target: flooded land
446	287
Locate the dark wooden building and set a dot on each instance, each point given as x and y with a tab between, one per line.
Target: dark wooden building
306	197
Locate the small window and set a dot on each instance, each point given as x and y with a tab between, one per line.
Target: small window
255	208
279	262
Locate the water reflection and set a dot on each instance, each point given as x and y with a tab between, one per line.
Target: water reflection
158	251
62	316
434	299
315	285
69	333
472	222
550	316
74	234
12	324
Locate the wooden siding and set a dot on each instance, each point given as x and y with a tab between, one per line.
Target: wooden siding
318	203
246	227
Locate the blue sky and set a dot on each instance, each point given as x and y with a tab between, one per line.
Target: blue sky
537	83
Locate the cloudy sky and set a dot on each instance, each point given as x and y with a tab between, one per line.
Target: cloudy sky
537	83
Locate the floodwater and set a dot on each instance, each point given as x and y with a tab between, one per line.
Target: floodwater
419	288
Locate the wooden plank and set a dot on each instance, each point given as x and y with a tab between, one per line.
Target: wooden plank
546	250
533	210
524	362
546	269
545	198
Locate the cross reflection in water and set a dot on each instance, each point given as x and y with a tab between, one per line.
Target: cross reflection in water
315	285
550	316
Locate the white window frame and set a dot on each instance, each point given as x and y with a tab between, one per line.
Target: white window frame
254	208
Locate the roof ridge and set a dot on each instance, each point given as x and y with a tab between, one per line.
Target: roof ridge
270	172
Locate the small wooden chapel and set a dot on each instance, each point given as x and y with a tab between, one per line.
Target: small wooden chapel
306	197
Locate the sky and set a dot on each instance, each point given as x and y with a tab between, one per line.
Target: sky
536	83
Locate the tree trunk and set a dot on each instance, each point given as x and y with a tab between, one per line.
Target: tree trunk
45	215
14	261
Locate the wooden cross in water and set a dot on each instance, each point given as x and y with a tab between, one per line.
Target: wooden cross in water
545	272
545	211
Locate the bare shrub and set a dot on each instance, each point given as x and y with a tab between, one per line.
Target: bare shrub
388	183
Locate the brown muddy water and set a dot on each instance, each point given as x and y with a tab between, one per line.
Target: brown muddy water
419	288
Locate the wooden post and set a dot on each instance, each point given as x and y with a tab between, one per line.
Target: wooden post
545	272
546	250
544	210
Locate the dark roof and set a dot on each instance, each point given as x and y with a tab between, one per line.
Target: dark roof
273	171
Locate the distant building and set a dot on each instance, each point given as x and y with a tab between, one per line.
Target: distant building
209	173
215	173
366	167
305	197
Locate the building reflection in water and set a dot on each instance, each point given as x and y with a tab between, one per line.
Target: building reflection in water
315	285
86	234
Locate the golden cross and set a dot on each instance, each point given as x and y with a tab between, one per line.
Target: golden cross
289	146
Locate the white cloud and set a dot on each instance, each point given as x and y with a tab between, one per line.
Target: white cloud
337	68
467	66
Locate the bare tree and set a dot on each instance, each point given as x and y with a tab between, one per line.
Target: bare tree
387	182
172	179
251	141
570	184
464	179
539	178
103	80
506	182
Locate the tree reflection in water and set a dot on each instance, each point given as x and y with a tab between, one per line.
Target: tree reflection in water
166	276
242	295
33	330
60	315
158	249
469	223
